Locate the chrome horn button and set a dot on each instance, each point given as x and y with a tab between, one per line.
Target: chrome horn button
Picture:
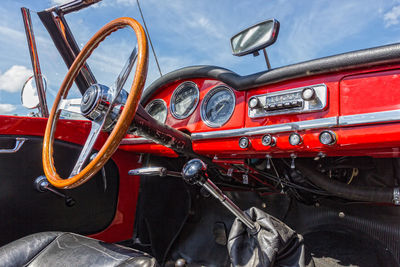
96	102
90	99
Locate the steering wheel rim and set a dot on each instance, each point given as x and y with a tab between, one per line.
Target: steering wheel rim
124	120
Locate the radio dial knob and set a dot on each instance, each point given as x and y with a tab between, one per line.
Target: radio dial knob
308	94
254	102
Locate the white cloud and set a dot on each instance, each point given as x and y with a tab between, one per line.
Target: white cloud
6	108
14	78
392	17
111	3
12	33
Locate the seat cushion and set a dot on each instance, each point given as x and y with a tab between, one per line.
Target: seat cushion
68	249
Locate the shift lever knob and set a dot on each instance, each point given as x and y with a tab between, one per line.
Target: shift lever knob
194	172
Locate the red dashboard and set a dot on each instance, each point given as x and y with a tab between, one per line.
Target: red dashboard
361	111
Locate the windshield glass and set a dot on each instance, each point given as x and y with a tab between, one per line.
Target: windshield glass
191	33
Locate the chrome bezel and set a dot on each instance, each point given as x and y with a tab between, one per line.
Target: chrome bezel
153	102
176	92
332	133
300	139
272	140
207	98
247	140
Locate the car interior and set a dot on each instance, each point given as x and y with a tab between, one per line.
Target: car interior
293	166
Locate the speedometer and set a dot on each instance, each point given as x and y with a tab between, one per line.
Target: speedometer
218	106
157	109
184	100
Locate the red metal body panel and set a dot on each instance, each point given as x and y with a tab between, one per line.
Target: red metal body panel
355	141
121	228
370	92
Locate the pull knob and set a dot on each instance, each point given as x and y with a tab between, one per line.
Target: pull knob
154	171
308	94
42	185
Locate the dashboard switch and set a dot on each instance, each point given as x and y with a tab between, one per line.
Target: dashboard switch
295	139
244	142
268	140
254	102
327	138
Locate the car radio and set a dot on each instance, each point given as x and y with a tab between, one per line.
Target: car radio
297	100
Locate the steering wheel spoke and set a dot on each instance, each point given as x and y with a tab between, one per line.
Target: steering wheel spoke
87	148
124	74
70	105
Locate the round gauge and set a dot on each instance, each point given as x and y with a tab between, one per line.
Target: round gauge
184	100
157	109
217	106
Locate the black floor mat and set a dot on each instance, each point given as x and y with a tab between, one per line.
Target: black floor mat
337	249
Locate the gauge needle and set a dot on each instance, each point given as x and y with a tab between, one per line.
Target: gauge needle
222	106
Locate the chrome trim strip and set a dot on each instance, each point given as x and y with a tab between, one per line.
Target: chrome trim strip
374	117
277	128
349	120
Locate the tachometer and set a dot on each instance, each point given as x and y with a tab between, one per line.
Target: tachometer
184	100
218	106
157	109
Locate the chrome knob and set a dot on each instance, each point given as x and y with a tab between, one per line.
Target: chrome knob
268	140
308	94
254	102
194	171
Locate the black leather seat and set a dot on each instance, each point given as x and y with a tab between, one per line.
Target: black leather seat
68	249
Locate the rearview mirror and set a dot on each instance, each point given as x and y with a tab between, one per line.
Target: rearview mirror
29	96
255	38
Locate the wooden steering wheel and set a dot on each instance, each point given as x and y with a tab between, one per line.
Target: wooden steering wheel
109	101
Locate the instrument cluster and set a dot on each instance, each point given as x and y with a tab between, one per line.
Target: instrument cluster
216	106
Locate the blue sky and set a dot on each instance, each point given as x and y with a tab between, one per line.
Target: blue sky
192	33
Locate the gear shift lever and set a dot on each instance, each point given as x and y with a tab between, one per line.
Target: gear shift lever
194	172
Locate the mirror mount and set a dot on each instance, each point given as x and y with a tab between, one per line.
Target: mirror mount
255	38
267	59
